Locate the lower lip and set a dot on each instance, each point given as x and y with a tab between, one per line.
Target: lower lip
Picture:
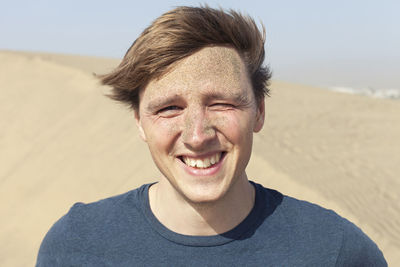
212	170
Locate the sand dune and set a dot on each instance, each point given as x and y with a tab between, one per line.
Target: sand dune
62	141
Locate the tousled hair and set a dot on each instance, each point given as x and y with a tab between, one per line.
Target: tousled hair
180	33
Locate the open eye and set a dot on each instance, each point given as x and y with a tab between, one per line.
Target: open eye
169	111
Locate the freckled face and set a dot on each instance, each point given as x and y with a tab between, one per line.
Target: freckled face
198	121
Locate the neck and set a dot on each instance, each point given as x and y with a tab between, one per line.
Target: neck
201	219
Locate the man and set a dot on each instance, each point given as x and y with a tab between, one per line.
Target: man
196	83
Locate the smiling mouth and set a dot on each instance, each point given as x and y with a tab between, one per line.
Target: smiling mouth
202	163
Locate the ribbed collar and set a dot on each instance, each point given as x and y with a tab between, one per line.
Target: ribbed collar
241	231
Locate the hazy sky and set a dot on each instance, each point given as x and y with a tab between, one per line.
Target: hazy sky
347	43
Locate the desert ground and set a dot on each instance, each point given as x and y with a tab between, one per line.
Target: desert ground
62	141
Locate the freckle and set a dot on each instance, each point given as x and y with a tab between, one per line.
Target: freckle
188	123
221	122
208	127
173	129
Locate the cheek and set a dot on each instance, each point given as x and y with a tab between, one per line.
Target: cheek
226	124
161	134
170	127
233	127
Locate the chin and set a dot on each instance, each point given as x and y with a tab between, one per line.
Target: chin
203	194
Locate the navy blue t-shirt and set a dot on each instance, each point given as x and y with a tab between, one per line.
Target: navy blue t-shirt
279	231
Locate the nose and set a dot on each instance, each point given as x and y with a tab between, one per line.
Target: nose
198	129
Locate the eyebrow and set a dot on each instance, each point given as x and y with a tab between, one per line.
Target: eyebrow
239	98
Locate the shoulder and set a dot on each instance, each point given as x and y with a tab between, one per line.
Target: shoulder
297	212
86	227
92	217
348	243
358	249
309	213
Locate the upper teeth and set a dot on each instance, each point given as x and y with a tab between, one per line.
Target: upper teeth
202	163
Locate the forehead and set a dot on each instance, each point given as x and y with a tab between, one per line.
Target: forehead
214	68
222	62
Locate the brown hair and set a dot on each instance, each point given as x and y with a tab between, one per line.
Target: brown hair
180	33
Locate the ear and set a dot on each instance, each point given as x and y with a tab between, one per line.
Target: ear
260	116
139	125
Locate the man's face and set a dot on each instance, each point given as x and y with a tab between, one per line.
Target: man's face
198	121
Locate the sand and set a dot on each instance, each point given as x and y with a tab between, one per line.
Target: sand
62	141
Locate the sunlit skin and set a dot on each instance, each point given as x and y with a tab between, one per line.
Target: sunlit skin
203	107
